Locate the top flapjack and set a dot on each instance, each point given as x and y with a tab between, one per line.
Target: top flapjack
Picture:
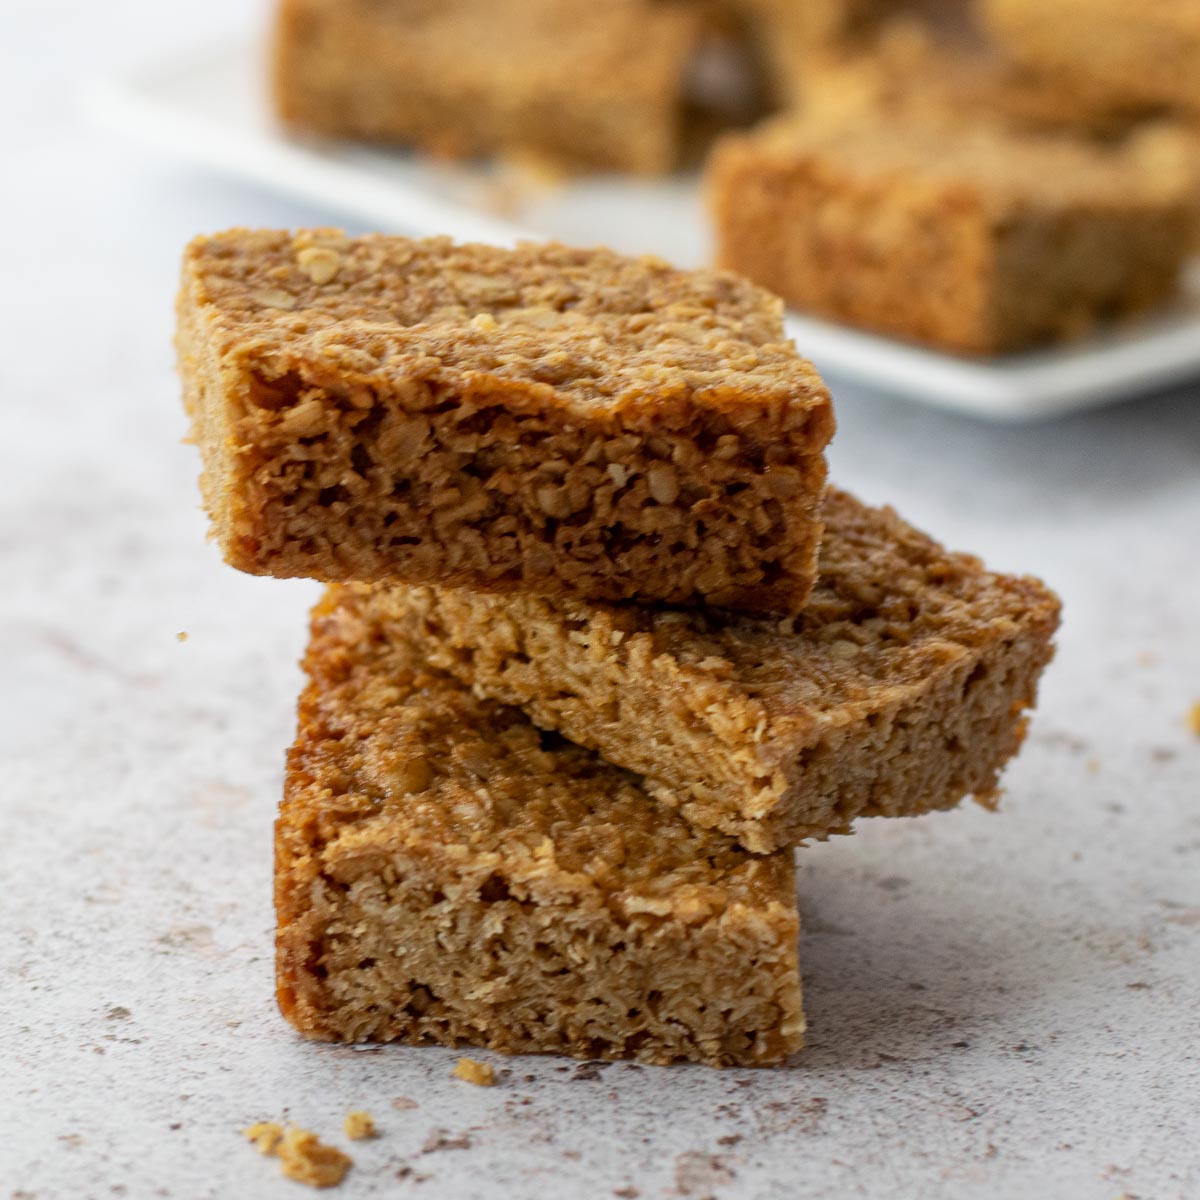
568	422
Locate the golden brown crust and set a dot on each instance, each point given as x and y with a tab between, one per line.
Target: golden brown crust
568	421
973	238
899	690
444	873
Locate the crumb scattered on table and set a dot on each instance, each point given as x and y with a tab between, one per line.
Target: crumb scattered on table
1194	718
306	1159
359	1125
403	1102
266	1136
181	636
480	1074
302	1155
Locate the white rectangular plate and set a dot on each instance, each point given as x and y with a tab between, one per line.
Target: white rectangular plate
210	107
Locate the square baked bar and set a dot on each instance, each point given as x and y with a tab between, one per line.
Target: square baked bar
571	81
447	874
570	422
970	237
900	689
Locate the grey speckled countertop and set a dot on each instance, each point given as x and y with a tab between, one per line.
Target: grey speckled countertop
1000	1005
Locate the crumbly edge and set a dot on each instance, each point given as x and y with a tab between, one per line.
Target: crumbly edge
936	264
488	485
596	678
926	750
398	937
709	748
344	83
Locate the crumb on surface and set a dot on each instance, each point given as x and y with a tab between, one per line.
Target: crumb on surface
403	1102
181	636
306	1159
359	1125
302	1155
266	1136
480	1074
1194	718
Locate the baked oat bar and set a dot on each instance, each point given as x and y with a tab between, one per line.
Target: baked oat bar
899	690
570	422
447	874
571	81
973	238
1147	51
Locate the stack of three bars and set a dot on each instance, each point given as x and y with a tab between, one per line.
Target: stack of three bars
578	687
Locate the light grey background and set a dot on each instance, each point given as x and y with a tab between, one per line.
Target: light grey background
999	1005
